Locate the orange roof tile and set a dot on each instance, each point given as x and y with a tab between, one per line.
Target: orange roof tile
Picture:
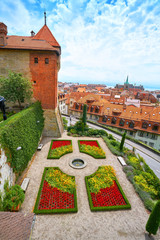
45	34
20	42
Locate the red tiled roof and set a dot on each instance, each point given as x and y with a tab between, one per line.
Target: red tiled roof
20	42
15	226
43	40
45	34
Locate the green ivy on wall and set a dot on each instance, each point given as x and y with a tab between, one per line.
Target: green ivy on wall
22	130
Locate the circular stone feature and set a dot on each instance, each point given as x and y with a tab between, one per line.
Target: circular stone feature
78	163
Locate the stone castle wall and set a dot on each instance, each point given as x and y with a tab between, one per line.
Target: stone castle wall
14	60
6	172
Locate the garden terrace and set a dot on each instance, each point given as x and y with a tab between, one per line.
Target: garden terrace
121	224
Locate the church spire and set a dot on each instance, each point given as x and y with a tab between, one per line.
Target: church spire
45	18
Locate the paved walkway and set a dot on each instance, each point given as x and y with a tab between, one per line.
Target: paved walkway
85	225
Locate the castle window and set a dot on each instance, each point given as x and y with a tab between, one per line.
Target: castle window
35	60
46	60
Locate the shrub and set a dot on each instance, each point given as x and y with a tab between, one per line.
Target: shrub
22	129
122	141
154	220
110	137
73	131
102	132
114	143
69	128
13	196
112	148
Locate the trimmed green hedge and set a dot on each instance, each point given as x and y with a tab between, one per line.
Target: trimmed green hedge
50	211
109	208
97	157
23	130
49	157
113	146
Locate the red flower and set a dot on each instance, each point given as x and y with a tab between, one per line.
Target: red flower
110	196
90	143
60	143
53	198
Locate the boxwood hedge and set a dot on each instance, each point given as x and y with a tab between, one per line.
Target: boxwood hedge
22	130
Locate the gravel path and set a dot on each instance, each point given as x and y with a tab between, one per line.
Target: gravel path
85	225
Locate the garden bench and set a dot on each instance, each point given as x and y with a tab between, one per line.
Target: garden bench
121	160
24	184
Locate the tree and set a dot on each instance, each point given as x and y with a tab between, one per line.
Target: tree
122	141
64	122
15	88
154	220
84	118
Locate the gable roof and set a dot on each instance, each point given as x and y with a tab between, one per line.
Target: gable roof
45	34
43	40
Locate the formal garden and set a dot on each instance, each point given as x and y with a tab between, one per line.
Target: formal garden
58	190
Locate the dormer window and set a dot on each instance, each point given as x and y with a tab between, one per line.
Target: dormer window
81	106
145	125
131	124
35	60
77	105
92	108
114	120
104	119
97	109
155	127
121	123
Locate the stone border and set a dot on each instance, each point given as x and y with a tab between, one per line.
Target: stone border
78	167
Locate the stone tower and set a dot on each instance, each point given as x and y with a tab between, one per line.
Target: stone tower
37	57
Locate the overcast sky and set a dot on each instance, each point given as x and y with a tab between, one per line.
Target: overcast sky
102	41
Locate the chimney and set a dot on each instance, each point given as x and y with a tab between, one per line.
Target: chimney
3	33
32	33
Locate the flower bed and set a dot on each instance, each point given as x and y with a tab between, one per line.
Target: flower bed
57	192
91	147
58	148
104	191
